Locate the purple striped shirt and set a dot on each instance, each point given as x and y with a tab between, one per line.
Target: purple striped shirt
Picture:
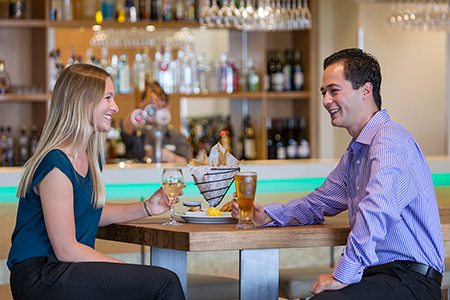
385	183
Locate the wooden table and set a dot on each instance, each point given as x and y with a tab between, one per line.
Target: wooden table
258	248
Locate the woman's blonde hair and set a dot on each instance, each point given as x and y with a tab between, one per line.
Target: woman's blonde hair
70	123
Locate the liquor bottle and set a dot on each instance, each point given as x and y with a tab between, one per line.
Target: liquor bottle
287	70
156	10
148	68
279	140
5	80
108	10
270	70
4	9
3	147
180	8
120	11
303	149
77	9
167	10
10	146
186	72
270	143
226	134
17	9
119	145
202	73
67	10
55	10
34	139
144	8
191	11
291	142
225	75
166	72
123	76
277	77
213	78
23	146
130	11
138	75
252	77
297	76
249	143
89	9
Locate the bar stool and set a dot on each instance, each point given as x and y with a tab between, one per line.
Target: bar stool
212	287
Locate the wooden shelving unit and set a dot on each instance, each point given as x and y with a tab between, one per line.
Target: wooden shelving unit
24	45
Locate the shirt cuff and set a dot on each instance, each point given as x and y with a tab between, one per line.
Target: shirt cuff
347	271
276	212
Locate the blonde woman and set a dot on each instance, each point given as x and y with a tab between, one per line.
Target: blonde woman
62	203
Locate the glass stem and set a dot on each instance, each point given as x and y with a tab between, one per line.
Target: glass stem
172	213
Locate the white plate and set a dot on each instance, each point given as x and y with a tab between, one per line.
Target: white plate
226	218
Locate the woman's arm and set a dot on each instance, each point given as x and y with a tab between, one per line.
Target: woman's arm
56	193
118	213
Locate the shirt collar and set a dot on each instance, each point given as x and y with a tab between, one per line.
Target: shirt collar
368	132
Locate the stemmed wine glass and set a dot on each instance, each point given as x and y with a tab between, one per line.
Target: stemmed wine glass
172	183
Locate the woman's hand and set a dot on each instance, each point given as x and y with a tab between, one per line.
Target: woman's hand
158	203
259	215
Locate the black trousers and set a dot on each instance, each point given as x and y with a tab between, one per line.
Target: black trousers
47	278
386	282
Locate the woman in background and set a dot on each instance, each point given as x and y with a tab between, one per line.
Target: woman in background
62	203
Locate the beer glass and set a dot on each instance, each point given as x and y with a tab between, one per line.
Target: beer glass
245	191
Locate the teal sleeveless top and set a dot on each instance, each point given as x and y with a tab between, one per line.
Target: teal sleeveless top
30	238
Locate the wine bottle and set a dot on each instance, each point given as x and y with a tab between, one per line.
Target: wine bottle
297	76
23	146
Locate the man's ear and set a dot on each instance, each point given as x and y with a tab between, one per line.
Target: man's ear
367	89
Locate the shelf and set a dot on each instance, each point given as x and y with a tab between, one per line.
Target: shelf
114	24
25	97
301	95
22	23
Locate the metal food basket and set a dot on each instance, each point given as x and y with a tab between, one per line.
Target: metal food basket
215	184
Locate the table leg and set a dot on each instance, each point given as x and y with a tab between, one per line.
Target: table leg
174	260
258	273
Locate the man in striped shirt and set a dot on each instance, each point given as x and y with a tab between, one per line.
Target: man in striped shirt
395	248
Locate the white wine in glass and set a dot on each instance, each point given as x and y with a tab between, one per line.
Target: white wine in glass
172	183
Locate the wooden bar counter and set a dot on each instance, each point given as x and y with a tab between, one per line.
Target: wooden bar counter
258	247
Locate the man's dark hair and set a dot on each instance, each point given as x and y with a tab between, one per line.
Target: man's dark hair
359	67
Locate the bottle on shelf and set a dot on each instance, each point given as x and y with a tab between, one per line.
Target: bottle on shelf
107	10
77	9
277	77
279	139
123	76
5	79
270	143
291	141
287	70
120	11
34	139
55	10
17	9
248	139
303	149
144	9
10	147
67	10
3	147
4	9
226	134
156	10
297	76
138	75
23	142
252	77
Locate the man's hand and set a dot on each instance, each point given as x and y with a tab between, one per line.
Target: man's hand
326	282
259	215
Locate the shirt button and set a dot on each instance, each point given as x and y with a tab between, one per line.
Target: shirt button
357	188
358	162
